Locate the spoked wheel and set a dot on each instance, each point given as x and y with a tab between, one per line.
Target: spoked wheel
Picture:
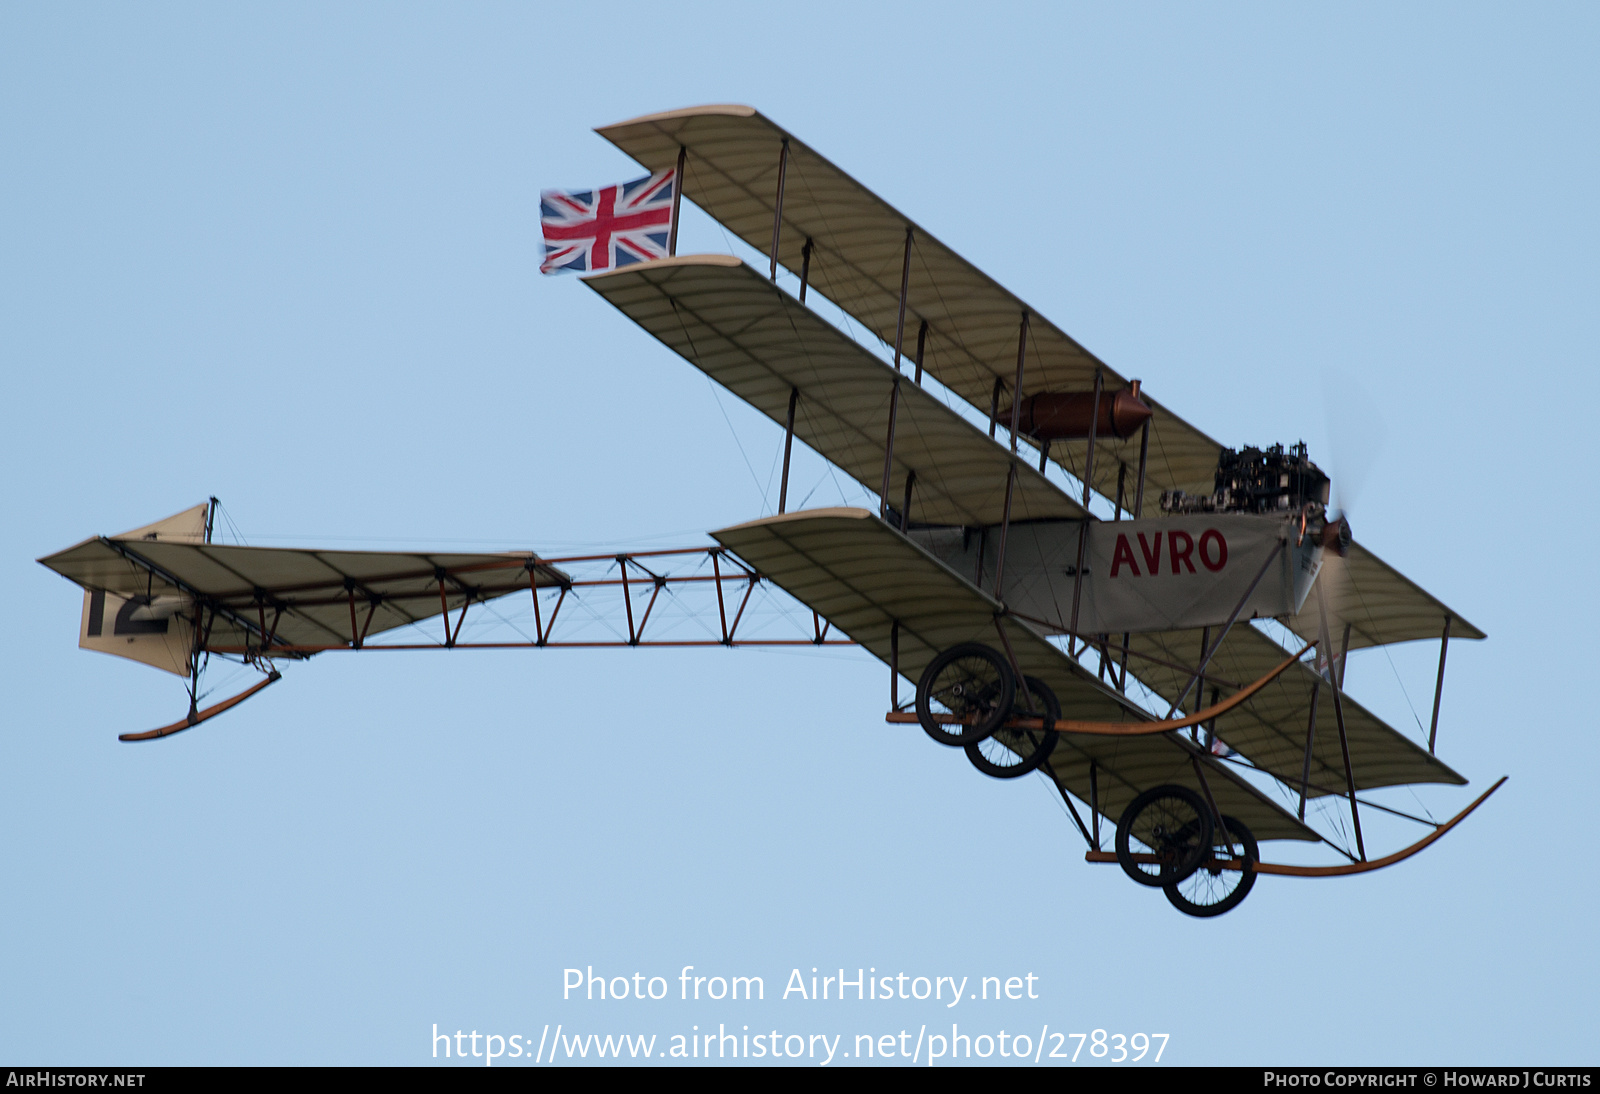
970	683
1008	753
1163	836
1215	888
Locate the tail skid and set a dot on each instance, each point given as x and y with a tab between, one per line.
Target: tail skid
195	717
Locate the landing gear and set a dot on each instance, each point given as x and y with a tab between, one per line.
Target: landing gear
1164	835
964	694
1010	753
1224	877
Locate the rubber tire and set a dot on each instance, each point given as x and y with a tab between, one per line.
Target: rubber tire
1039	691
1199	823
1247	878
1002	702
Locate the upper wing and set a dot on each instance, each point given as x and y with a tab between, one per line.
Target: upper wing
858	248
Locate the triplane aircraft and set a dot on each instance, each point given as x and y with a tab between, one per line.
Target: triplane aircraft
1030	624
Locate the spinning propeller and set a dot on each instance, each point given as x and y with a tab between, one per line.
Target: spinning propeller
1355	436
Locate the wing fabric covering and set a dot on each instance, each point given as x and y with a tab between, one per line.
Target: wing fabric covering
857	250
761	344
1381	604
304	597
862	575
1270	728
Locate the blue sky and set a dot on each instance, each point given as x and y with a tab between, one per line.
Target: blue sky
287	255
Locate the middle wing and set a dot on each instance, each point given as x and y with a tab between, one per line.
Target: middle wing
760	343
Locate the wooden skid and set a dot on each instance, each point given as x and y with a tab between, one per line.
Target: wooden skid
1344	870
195	717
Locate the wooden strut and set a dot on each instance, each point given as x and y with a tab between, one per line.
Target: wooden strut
894	394
195	717
1094	421
722	609
905	288
1011	470
819	629
1438	687
730	616
1349	771
677	200
740	613
1066	800
1226	627
1335	683
627	599
1311	734
544	638
444	608
788	446
888	449
533	589
1211	801
1343	870
1144	459
1094	800
1133	729
777	209
1083	531
894	665
372	610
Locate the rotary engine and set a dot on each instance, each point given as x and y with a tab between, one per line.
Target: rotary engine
1255	481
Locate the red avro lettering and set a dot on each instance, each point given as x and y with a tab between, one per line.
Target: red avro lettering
1208	537
1123	553
1180	545
1152	559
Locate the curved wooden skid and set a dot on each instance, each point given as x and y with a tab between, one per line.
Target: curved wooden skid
1133	729
1140	729
194	718
1387	860
1333	871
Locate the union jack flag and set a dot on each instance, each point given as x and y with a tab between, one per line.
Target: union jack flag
618	225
